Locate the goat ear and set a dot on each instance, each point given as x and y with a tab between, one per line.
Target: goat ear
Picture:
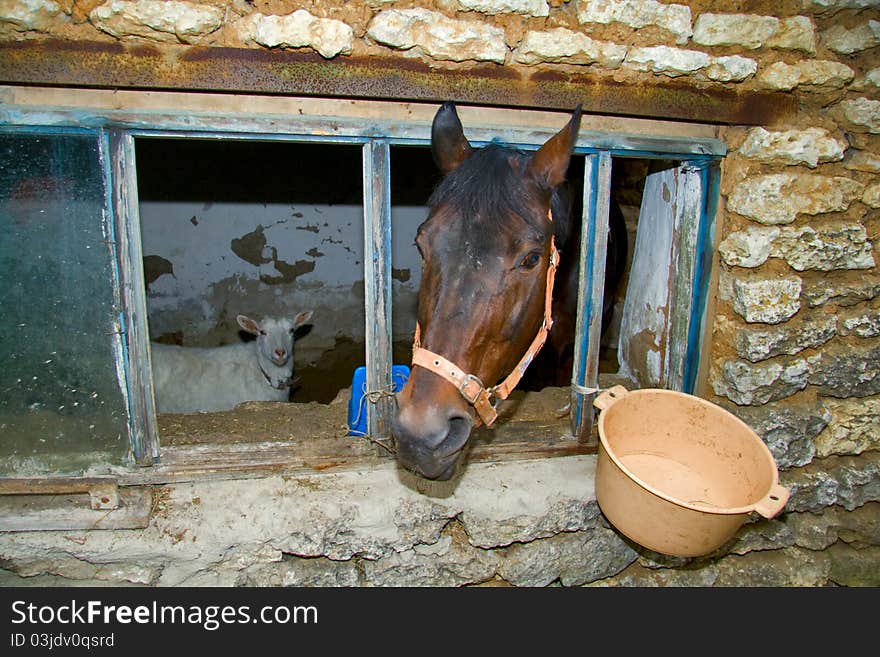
302	318
549	164
448	144
248	324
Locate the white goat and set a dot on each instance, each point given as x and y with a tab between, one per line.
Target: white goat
204	379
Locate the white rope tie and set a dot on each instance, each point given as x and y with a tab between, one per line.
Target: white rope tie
583	390
373	396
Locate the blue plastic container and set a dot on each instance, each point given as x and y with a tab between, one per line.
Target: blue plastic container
357	404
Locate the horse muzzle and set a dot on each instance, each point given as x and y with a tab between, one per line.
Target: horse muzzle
431	442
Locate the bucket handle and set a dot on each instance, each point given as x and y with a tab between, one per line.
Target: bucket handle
773	502
609	397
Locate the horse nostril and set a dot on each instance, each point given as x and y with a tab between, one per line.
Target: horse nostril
459	430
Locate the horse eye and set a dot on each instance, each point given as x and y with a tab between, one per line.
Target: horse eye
531	260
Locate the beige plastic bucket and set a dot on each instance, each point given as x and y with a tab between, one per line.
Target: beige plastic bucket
678	474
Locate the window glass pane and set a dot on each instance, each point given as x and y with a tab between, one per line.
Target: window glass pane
61	405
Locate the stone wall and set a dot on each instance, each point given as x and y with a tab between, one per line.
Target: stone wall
795	345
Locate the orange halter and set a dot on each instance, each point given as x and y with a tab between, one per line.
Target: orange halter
469	385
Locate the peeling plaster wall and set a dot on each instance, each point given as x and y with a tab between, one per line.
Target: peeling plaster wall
795	341
210	262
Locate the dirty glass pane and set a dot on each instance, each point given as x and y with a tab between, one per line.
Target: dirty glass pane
61	406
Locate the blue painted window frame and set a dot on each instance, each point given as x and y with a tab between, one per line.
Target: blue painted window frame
376	137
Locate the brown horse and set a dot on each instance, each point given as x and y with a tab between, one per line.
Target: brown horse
488	251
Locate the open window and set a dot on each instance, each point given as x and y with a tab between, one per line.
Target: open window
160	228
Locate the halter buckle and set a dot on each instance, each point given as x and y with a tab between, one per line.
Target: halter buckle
474	383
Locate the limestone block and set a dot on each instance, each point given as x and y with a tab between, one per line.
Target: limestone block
675	18
492	7
27	15
763	535
781	76
871	197
814	531
301	30
818	73
453	563
863	112
85	571
746	30
842	370
748	248
778	198
733	68
861	525
750	384
669	61
757	343
795	33
485	531
832	246
848	41
437	36
862	323
766	300
810	146
300	572
162	20
842	292
788	429
675	62
563	45
854	565
854	427
862	161
561	558
848	481
833	6
790	567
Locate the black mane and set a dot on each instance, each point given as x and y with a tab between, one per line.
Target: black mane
488	187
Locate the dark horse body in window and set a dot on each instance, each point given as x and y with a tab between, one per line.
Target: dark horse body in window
489	251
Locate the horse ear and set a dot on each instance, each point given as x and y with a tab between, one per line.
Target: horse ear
448	143
549	164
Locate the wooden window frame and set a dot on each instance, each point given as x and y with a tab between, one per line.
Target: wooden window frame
377	126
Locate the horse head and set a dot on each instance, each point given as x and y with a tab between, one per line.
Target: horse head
488	257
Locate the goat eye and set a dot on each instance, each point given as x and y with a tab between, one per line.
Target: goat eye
531	260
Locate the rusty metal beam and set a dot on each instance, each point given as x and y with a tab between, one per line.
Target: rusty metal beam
276	72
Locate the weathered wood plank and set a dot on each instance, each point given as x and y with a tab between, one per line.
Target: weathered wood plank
21	513
657	311
52	485
137	369
643	325
588	328
189	463
327	120
377	280
687	213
